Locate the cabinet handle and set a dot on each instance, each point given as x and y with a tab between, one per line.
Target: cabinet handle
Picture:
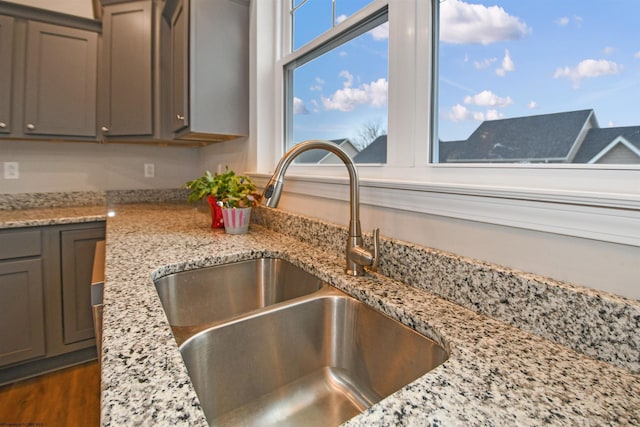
104	129
3	125
179	117
31	126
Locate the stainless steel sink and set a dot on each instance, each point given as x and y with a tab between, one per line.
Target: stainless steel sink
196	299
318	360
266	343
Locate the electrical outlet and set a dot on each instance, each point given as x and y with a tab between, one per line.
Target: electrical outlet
149	170
11	170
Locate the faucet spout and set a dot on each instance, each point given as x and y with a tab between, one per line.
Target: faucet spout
357	256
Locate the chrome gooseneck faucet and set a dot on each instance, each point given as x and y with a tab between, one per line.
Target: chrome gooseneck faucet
357	256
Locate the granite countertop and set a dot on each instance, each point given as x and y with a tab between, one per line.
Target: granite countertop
51	216
496	374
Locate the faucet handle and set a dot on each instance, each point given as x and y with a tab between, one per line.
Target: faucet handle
376	249
361	256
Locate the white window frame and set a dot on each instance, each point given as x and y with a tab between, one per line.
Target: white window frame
599	202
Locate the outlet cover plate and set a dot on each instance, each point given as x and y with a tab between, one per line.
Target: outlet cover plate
11	170
149	170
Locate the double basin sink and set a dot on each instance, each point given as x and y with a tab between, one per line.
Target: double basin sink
266	343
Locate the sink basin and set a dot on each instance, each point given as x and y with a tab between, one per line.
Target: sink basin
317	360
196	299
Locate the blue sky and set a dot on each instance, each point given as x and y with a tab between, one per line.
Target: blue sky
519	58
536	57
340	91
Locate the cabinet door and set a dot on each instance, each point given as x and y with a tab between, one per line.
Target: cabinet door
216	73
127	80
21	311
180	67
60	83
78	248
6	72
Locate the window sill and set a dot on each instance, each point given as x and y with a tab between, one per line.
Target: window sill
599	216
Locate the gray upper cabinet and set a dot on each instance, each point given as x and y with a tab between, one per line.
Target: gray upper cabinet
48	74
208	96
6	71
60	81
127	80
179	113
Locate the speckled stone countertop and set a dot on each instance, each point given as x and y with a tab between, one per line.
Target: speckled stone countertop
51	216
496	374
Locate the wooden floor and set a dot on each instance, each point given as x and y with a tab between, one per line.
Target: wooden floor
66	398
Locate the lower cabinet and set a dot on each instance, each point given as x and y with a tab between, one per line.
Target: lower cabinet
21	311
45	298
77	250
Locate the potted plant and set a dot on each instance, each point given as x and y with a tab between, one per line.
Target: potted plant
230	197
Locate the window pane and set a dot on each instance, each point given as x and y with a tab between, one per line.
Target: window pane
341	96
545	81
311	18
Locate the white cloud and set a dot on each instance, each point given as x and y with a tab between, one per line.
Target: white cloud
588	68
340	19
318	85
478	116
458	113
462	22
381	32
608	50
486	98
493	115
532	105
348	78
343	53
299	107
565	20
348	98
485	63
637	55
507	64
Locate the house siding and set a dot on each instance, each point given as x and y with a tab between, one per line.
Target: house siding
619	155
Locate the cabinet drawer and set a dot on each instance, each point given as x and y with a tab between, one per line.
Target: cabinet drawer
18	244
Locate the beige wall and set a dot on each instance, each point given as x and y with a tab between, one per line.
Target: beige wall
232	153
46	167
50	167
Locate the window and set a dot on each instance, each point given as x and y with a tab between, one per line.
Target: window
428	76
336	79
311	18
538	82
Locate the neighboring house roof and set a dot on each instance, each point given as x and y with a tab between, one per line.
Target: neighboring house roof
540	138
449	148
348	148
376	152
323	156
572	137
599	142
